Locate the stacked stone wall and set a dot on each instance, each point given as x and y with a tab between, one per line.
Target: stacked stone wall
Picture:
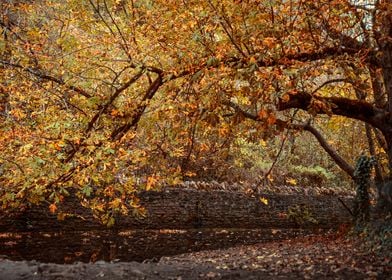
177	221
185	209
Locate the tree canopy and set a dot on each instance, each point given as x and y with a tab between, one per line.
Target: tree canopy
96	92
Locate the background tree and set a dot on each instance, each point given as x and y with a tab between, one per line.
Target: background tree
105	97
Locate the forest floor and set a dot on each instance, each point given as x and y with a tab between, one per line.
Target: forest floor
315	257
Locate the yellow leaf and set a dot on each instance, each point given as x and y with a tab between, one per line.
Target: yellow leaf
263	200
115	203
109	191
57	147
292	92
151	182
291	181
253	59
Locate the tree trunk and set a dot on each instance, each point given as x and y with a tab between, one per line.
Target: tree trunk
385	194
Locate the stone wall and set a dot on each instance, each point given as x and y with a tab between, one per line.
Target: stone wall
187	209
178	221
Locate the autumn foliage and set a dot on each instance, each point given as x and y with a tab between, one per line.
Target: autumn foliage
104	98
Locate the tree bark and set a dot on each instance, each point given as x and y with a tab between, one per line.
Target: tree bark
372	149
354	109
118	133
378	88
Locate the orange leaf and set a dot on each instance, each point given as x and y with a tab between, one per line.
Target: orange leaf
52	208
114	113
285	98
271	119
270	42
263	114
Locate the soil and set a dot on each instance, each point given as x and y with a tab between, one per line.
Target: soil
317	257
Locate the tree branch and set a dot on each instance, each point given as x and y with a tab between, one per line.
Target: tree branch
380	139
39	74
238	108
239	62
329	52
103	109
112	98
118	133
345	166
354	109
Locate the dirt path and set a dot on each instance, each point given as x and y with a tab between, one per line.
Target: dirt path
319	257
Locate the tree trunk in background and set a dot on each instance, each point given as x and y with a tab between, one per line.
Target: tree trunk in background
385	43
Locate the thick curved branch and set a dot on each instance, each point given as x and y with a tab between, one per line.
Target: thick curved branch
325	53
354	109
112	99
103	110
240	62
118	133
344	165
238	108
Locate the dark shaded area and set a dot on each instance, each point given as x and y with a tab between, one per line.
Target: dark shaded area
311	257
135	245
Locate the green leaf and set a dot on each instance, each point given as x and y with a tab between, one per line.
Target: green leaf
87	190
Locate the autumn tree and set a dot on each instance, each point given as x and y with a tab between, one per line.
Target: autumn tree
96	92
